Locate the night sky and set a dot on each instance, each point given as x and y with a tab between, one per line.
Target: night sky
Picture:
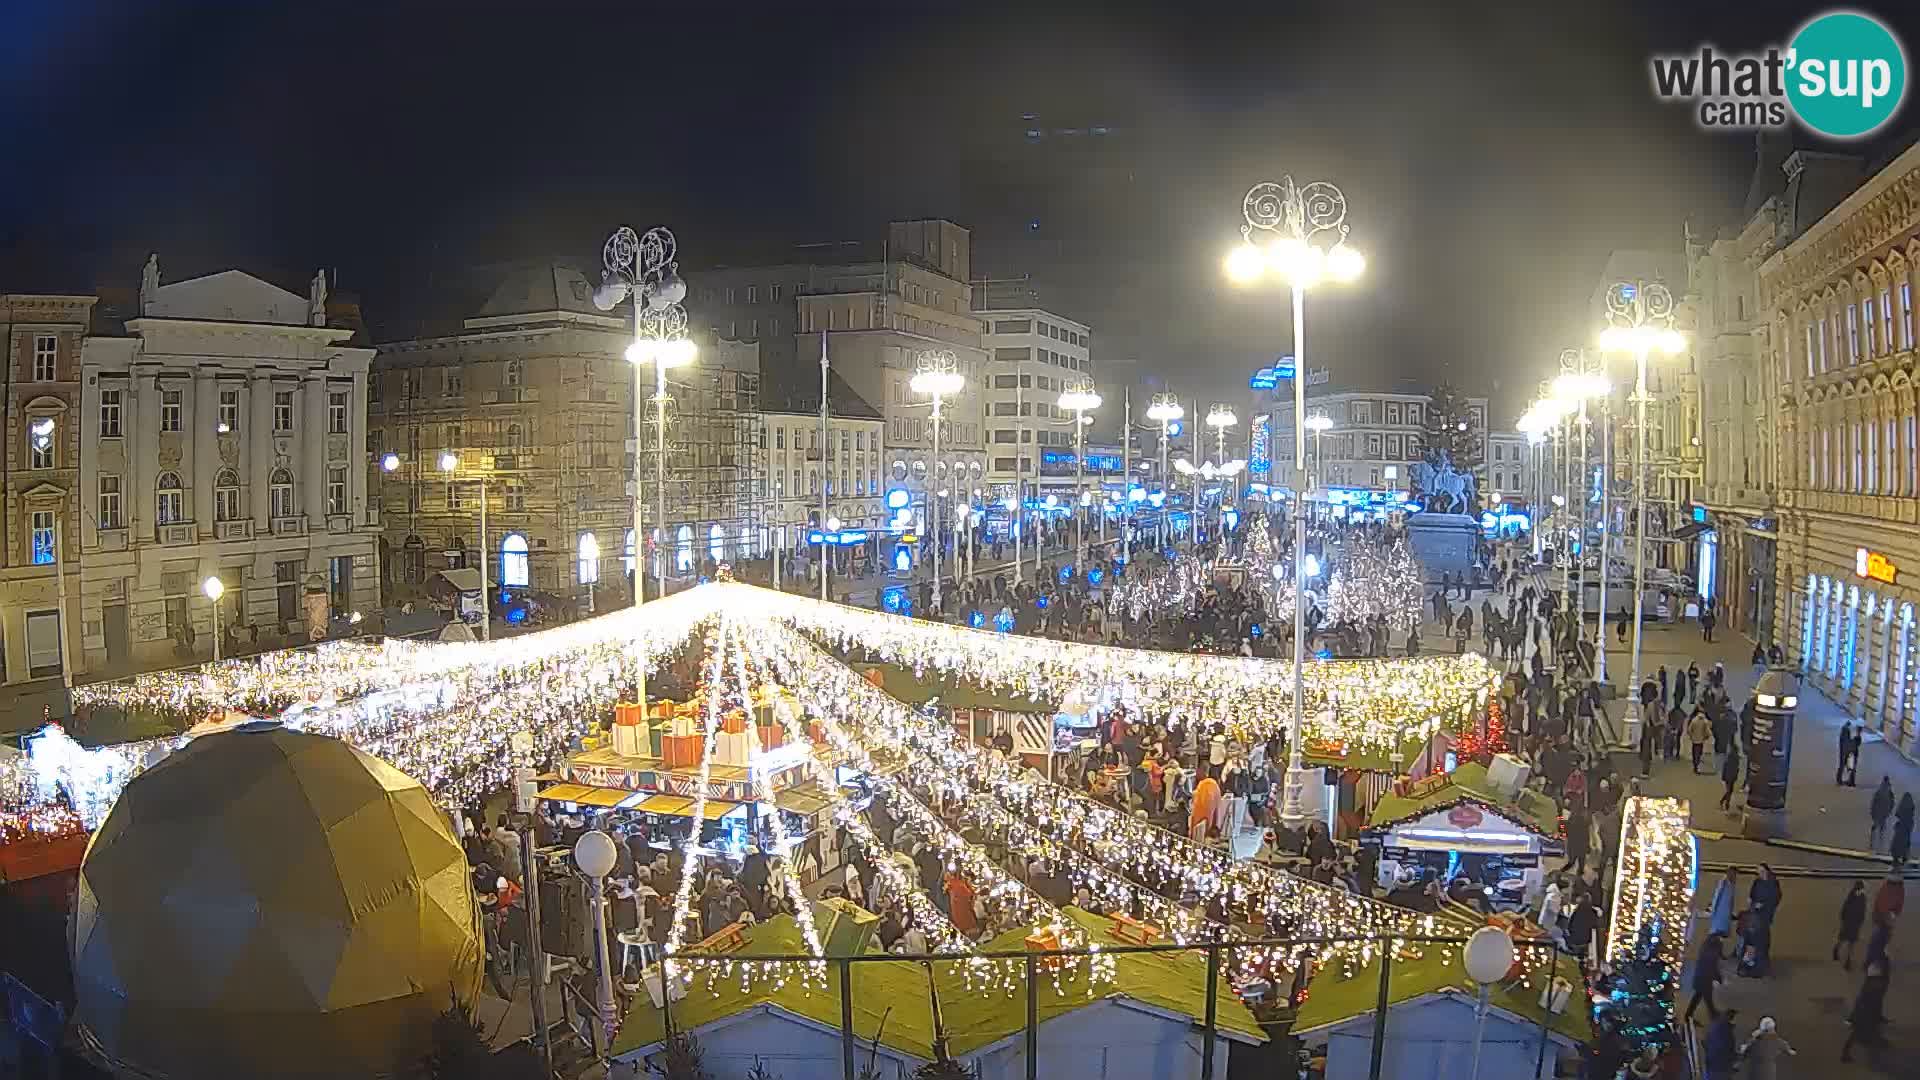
1492	154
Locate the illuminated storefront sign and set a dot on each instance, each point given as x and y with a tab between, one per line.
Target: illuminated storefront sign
1874	566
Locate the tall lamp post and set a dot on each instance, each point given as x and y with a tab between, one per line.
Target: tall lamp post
1079	398
449	463
1304	233
1319	424
215	589
1640	321
643	267
937	375
1573	389
1165	410
1220	417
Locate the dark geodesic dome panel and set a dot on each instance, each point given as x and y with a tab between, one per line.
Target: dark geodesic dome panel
272	903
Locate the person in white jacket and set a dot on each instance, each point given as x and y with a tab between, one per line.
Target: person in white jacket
1550	909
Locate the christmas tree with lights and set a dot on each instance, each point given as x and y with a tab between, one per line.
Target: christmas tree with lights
1636	1000
1370	581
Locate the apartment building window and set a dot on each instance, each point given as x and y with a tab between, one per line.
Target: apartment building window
283	410
1889	341
40	443
516	497
410	385
108	508
859	440
773	293
453	382
169	410
1853	334
1810	351
226	496
753	294
453	437
110	414
40	532
1906	315
516	373
336	490
286	589
795	486
779	438
46	349
453	497
337	414
730	294
230	411
280	486
373	389
169	502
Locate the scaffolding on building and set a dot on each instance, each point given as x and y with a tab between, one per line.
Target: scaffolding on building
715	468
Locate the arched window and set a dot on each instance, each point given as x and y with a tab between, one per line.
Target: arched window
226	496
169	501
628	559
516	373
589	559
515	437
281	486
683	558
717	543
513	560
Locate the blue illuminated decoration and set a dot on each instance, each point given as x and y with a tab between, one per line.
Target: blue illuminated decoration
516	614
1284	367
1095	576
1323	654
1255	630
897	498
1264	379
1041	603
977	620
894	599
1066	574
1175	428
1700	514
1260	456
903	558
1003	621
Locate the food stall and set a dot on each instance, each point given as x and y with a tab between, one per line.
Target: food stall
645	777
1460	824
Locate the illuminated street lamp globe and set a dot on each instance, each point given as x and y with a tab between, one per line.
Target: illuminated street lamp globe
1165	409
937	374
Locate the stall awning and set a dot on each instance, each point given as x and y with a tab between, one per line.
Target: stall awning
806	800
681	806
565	793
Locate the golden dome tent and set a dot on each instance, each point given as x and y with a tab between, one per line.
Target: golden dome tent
265	902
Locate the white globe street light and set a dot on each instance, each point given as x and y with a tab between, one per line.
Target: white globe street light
1164	410
594	854
937	375
1488	958
214	589
1080	398
389	462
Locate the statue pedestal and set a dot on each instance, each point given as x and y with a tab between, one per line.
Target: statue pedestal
1763	824
1443	544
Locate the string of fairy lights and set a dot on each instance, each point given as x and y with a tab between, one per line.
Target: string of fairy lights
1364	705
1654	879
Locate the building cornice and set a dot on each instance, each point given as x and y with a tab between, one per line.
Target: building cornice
1877	214
329	335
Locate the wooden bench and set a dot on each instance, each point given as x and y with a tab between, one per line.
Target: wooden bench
729	938
1134	932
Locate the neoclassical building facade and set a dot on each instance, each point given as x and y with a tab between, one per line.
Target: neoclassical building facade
1840	301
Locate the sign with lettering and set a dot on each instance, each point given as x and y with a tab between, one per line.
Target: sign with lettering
1465	817
1874	566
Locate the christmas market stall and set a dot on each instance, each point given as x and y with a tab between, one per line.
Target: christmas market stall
1148	1014
1491	831
1531	1020
644	776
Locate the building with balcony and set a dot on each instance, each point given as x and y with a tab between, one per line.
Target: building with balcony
849	466
40	469
1838	301
534	397
224	432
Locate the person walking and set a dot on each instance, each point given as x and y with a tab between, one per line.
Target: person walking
1880	811
1650	735
1699	730
1902	830
1620	625
1765	1051
1706	976
1729	776
1720	909
1579	839
1867	1017
1853	913
1721	1048
1845	748
1706	623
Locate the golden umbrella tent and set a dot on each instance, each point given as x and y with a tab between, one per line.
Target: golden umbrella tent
267	902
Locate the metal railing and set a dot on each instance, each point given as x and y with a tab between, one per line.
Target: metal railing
1038	965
